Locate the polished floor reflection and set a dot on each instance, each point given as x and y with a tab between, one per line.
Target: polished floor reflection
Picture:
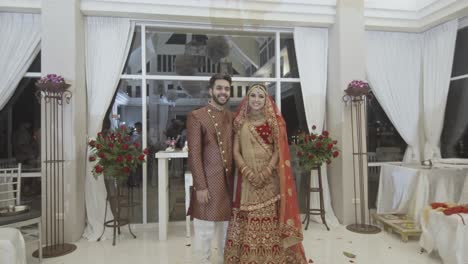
321	246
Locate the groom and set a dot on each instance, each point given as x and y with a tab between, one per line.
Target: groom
210	137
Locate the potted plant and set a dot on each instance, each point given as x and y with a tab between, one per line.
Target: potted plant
358	88
314	149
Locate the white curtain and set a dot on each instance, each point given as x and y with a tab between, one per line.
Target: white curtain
312	60
311	45
394	73
438	50
20	35
108	42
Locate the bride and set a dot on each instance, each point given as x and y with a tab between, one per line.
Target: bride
265	226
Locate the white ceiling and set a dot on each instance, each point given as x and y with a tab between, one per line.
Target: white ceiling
404	5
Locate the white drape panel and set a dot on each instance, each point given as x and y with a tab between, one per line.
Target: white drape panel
20	35
438	50
312	60
394	73
107	45
311	45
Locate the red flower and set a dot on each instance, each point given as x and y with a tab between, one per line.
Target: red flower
336	154
120	141
136	144
99	146
119	135
325	133
102	155
123	127
146	151
92	143
313	137
92	158
311	156
111	145
318	144
98	169
314	127
127	138
141	157
126	169
99	134
129	157
125	147
320	137
329	146
106	138
119	159
299	153
328	161
335	142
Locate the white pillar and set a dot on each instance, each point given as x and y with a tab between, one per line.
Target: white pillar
62	50
346	63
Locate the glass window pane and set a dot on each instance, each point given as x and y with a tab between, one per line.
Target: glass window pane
133	64
36	64
460	67
288	60
126	109
454	139
384	141
20	122
202	54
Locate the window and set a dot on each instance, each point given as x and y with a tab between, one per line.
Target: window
182	62
454	139
20	137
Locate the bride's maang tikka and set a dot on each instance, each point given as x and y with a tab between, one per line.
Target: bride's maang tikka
257	86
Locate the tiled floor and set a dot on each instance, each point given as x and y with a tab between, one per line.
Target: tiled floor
323	247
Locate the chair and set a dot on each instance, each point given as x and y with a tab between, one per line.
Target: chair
10	194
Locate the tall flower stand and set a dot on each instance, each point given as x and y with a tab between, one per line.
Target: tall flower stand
117	201
358	102
315	211
52	93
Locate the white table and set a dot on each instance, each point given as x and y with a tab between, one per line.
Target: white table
408	189
446	234
163	187
12	248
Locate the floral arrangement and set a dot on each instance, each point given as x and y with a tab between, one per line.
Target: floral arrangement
357	88
115	155
314	149
171	142
52	83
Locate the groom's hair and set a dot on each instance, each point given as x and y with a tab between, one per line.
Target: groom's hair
219	76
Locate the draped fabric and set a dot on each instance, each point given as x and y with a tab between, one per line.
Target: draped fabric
20	36
107	44
289	224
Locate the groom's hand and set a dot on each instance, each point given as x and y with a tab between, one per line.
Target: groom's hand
203	196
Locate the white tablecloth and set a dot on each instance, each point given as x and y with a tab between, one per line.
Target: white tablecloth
12	248
446	234
407	190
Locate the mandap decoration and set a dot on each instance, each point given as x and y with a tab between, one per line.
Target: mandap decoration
356	95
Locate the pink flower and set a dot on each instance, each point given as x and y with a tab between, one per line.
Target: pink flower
141	157
336	154
136	144
146	151
129	157
119	159
92	143
102	155
125	147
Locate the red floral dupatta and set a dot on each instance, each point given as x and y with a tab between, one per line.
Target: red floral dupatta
289	221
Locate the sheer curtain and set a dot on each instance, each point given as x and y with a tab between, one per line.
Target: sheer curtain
108	42
20	36
438	51
312	46
394	73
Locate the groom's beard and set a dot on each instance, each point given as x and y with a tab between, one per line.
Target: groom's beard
216	99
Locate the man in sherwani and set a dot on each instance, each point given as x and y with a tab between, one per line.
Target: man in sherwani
210	137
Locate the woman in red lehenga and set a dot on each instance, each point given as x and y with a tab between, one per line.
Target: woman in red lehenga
265	225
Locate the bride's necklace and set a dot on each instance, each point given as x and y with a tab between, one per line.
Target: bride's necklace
256	117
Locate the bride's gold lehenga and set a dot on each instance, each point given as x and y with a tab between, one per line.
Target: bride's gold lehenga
265	225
